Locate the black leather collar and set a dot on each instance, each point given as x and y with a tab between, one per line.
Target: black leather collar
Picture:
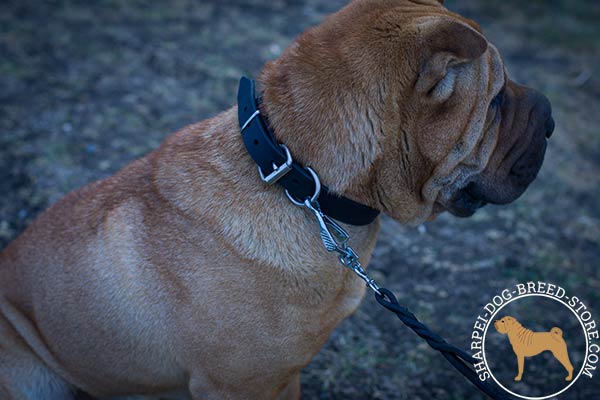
297	180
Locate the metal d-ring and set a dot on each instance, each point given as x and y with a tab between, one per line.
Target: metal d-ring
314	197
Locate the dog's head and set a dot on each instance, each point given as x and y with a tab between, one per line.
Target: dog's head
406	107
505	324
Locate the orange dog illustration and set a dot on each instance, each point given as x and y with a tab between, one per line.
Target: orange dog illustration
526	343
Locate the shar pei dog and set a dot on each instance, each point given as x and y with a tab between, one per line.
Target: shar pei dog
187	273
526	343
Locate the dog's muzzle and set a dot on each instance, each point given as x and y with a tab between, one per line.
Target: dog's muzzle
527	124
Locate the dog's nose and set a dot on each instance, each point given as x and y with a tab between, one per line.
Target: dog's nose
549	127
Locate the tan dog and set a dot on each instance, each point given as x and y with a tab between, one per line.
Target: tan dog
526	343
185	273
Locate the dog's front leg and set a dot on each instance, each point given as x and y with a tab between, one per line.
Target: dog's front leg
521	365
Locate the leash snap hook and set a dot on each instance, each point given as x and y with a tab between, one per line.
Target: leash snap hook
362	274
333	236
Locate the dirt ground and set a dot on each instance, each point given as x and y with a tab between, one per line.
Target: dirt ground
88	86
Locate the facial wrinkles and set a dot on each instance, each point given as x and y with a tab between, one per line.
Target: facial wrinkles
471	154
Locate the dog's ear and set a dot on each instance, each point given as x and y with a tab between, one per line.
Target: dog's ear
446	42
441	2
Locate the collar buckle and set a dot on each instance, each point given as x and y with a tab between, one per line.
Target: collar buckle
278	171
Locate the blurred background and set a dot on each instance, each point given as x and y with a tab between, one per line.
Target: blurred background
88	86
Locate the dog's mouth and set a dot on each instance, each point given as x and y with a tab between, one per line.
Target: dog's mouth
465	202
485	188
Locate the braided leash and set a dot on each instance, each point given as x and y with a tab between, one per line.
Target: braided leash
455	356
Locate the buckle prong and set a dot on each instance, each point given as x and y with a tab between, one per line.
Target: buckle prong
278	171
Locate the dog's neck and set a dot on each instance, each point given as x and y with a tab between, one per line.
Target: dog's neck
210	161
328	128
518	331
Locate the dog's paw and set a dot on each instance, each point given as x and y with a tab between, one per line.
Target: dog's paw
517	378
569	378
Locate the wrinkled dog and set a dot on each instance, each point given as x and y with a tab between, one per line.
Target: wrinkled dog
184	272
